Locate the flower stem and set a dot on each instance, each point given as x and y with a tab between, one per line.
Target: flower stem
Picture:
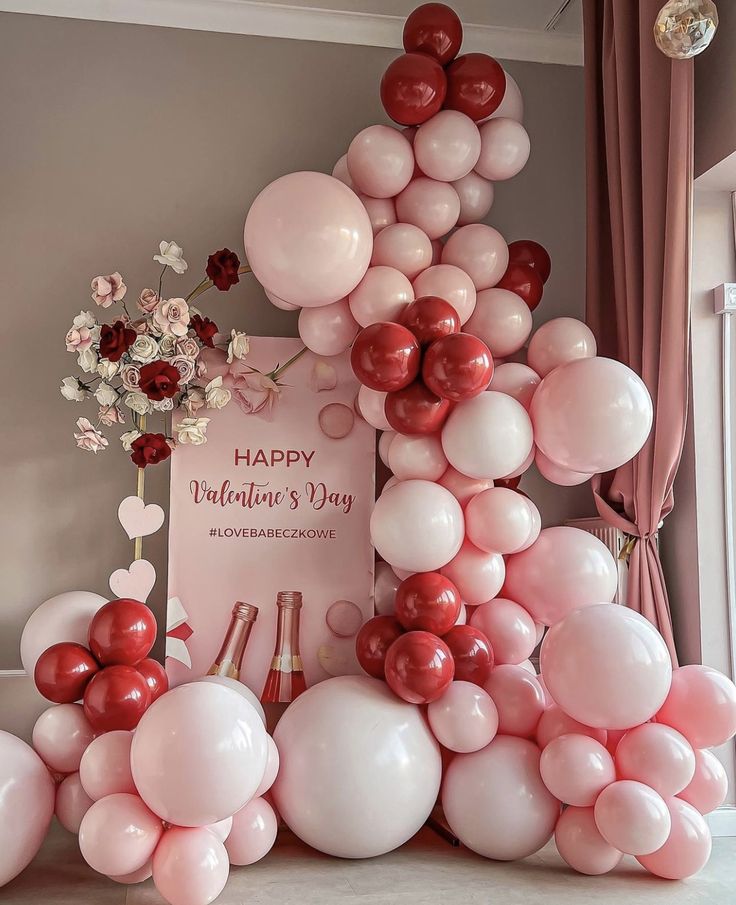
274	375
161	279
140	491
208	284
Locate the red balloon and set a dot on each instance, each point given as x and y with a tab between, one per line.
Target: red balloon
457	367
419	667
525	281
416	410
472	653
413	89
116	698
122	632
531	253
430	318
434	29
385	357
373	641
63	671
155	676
476	84
427	601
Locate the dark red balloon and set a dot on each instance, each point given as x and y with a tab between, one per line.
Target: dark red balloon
155	676
122	632
419	667
116	698
472	653
531	253
476	84
413	89
434	29
430	318
429	602
416	410
457	367
525	281
373	641
385	357
63	671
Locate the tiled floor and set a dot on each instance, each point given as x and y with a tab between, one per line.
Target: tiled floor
427	870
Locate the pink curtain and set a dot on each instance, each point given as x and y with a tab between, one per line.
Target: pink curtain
639	110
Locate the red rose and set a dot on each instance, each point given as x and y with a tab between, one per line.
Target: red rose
149	449
205	329
115	340
159	380
222	269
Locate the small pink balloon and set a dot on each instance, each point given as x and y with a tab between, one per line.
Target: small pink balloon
340	171
499	520
554	722
464	719
512	103
431	205
384	443
190	866
576	769
462	487
381	212
222	828
517	380
329	330
371	408
72	803
451	284
272	769
559	341
119	834
105	765
504	149
336	420
404	247
708	788
380	161
277	303
447	146
535	532
556	474
477	574
61	735
521	469
658	756
687	848
701	705
417	456
253	833
381	295
502	320
632	817
481	251
518	697
476	198
385	587
508	627
136	876
581	845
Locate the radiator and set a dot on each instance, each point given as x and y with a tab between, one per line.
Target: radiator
615	540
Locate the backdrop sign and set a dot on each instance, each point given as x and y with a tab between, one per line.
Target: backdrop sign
278	499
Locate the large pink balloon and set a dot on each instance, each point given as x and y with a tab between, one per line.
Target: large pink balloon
554	722
119	834
417	456
499	519
508	627
431	205
488	436
199	754
27	796
632	817
242	689
708	788
658	756
380	161
61	735
476	574
462	487
417	526
329	330
687	848
566	568
476	198
701	705
277	303
576	769
253	833
504	149
464	719
495	801
65	617
581	845
556	474
308	239
518	697
190	866
591	415
502	320
105	765
404	247
381	212
381	295
481	251
72	803
515	379
606	666
559	341
451	284
447	146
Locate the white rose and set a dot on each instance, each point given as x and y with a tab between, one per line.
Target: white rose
87	361
216	395
127	439
71	390
107	369
84	319
106	395
138	403
144	349
163	405
167	345
171	255
194	399
192	430
238	346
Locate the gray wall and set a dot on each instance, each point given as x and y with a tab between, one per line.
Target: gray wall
715	109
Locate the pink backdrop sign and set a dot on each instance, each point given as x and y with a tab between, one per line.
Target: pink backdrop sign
272	503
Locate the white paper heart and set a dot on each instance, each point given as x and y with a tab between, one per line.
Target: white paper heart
139	519
136	582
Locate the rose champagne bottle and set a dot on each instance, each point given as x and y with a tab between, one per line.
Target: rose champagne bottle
230	659
285	680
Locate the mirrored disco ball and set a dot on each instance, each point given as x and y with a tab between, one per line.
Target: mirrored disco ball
684	28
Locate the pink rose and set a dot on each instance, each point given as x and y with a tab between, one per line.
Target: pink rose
131	378
110	414
148	300
89	437
172	317
78	339
108	289
185	367
187	346
256	394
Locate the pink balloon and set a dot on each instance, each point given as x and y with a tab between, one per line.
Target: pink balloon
632	817
508	627
384	443
576	769
477	574
566	568
272	768
708	788
582	846
417	456
403	247
658	756
253	833
515	379
554	722
371	407
495	801
65	617
190	866
451	284
521	469
559	341
687	848
384	592
381	295
488	436
464	719
308	238
483	254
136	876
447	146
61	735
329	330
512	104
504	149
380	161
701	705
119	834
431	205
72	803
532	539
277	303
27	796
462	487
340	171
242	689
556	474
222	828
591	415
499	520
476	198
501	319
105	765
518	697
381	211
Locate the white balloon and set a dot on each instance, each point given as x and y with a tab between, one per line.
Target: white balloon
417	456
384	590
504	149
370	405
502	320
558	341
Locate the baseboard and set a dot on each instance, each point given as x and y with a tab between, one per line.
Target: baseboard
722	821
12	673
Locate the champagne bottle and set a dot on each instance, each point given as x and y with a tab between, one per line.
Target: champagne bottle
285	680
230	659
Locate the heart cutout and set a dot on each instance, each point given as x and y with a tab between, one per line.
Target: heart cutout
137	581
138	518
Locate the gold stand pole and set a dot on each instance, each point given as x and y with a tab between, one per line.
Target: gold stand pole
139	490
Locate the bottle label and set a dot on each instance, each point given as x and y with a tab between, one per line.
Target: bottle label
227	668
